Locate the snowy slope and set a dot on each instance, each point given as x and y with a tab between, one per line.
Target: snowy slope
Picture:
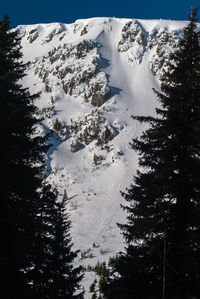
94	74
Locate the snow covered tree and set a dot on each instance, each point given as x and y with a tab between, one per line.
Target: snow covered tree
162	257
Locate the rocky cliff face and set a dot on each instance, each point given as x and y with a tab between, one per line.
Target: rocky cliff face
93	75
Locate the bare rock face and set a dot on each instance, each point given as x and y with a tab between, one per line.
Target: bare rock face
99	99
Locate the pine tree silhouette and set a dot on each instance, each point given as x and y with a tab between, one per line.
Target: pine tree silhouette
29	213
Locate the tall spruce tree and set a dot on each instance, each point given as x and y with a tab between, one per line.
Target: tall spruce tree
18	178
53	275
28	211
39	275
162	258
65	277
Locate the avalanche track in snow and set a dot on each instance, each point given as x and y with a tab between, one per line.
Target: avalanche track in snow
93	75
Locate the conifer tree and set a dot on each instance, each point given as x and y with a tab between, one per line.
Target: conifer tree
39	275
19	180
65	277
53	274
162	258
28	213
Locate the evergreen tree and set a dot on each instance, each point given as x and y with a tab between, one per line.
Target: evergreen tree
65	277
28	213
19	179
53	274
44	232
162	257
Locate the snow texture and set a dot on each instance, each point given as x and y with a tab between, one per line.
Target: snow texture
94	74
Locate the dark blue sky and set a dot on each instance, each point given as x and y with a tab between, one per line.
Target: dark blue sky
67	11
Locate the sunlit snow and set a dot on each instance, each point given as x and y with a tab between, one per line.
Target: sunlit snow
119	61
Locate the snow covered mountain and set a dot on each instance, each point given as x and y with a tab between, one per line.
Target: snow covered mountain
93	75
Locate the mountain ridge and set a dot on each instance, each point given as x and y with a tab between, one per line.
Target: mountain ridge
93	75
